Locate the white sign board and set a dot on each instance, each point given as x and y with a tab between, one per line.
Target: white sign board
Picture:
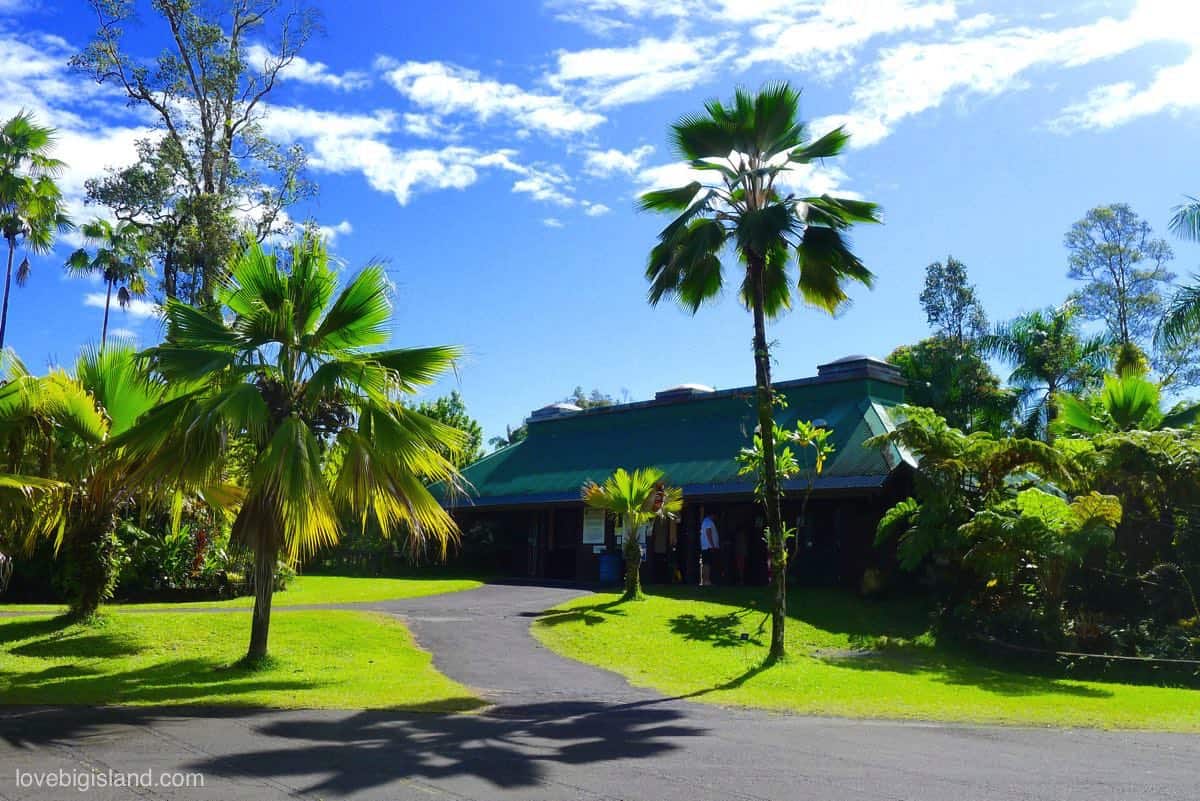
593	526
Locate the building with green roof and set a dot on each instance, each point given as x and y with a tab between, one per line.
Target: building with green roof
523	501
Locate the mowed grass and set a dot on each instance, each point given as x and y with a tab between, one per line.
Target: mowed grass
306	590
847	657
329	659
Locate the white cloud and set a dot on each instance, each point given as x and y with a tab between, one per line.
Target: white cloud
552	222
914	77
123	333
618	75
450	89
826	42
546	184
311	72
138	308
802	179
330	233
603	163
595	209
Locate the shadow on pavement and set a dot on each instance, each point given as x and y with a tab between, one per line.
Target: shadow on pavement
333	756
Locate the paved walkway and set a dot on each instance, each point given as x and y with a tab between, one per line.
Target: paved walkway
562	730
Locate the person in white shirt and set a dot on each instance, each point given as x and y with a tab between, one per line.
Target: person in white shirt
710	544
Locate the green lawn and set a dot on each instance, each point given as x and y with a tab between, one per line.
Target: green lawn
345	660
847	658
308	590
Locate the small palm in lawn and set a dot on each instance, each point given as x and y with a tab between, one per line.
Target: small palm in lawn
121	260
285	371
59	428
1049	356
636	498
752	147
31	205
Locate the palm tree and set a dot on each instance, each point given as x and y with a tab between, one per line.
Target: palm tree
1126	403
1049	356
752	147
121	260
285	372
31	205
1185	219
60	428
636	498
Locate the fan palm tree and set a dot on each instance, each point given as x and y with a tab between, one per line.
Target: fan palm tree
752	147
1126	403
1049	356
31	205
1182	318
287	372
636	498
60	426
121	260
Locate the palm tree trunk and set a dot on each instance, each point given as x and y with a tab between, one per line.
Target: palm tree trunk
771	491
633	566
104	328
12	247
265	557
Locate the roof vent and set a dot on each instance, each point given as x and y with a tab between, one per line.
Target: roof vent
552	411
683	391
859	366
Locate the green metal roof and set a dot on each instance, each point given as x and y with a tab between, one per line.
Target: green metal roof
694	440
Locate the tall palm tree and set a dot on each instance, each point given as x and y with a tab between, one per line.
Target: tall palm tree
1182	318
1185	219
31	205
752	148
1049	355
60	431
636	498
121	260
284	368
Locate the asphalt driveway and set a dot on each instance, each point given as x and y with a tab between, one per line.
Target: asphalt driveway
563	730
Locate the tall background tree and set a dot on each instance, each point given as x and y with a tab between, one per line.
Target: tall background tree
951	305
206	89
452	410
120	260
946	372
1126	284
284	367
31	205
782	242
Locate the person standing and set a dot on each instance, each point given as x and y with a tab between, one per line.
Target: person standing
710	545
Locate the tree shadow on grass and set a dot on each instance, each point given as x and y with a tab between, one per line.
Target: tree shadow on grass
338	754
953	667
722	631
589	615
174	682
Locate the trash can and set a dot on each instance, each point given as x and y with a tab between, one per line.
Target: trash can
610	568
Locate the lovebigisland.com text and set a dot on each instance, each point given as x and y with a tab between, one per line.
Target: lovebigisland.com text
84	781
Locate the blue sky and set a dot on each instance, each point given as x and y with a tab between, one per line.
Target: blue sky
492	153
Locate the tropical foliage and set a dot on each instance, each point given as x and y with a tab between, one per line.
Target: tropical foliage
60	428
636	499
284	369
785	243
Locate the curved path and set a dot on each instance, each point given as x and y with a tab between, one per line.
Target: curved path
562	730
